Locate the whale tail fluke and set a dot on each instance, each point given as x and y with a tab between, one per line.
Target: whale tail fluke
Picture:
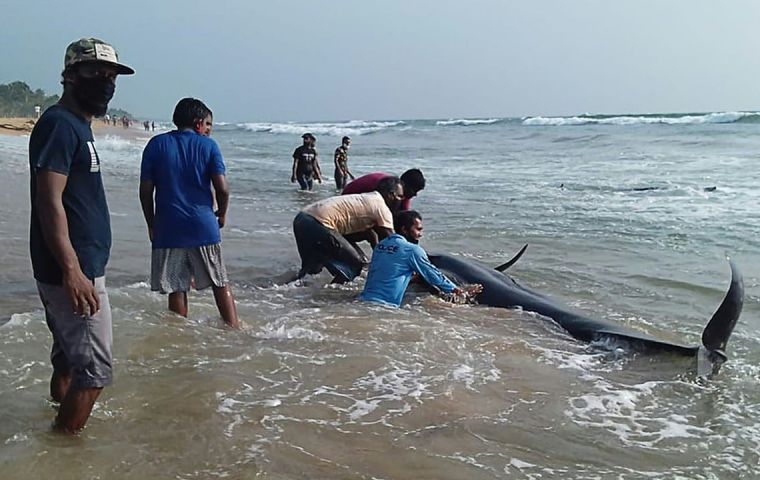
715	336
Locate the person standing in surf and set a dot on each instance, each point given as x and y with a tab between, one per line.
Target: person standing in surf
342	173
180	167
70	231
306	163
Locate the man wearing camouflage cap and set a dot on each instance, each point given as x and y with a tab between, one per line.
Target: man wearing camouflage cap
70	234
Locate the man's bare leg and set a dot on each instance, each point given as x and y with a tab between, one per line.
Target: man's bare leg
178	303
59	385
75	409
225	302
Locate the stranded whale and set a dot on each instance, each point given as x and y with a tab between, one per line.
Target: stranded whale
500	290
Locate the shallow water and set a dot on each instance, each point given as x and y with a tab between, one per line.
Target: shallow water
318	385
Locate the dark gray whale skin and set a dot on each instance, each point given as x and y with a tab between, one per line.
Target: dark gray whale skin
500	290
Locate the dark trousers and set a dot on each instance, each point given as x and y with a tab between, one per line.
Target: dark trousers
320	247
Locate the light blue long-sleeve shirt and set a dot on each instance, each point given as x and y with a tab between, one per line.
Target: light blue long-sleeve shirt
394	260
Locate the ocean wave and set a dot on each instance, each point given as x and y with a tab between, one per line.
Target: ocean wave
466	122
115	143
665	119
353	127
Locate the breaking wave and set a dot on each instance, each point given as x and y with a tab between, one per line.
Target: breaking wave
649	119
466	122
353	127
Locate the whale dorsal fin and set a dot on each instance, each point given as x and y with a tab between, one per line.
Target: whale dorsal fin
514	259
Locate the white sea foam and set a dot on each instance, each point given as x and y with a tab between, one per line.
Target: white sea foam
467	121
394	384
19	319
115	143
279	331
353	127
631	414
718	117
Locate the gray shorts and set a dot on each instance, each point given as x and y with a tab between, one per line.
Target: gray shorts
173	269
81	344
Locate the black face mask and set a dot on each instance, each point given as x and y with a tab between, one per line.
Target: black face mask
93	94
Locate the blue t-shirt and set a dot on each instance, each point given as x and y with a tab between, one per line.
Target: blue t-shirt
180	164
394	260
62	142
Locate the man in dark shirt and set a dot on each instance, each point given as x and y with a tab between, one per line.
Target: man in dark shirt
306	163
70	231
342	173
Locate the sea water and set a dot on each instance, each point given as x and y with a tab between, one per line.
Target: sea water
629	218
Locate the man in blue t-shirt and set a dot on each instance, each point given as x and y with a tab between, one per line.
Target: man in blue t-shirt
70	230
180	167
397	258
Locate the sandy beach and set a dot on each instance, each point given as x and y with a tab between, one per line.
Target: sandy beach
15	126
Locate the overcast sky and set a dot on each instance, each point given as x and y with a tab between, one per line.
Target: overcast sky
401	59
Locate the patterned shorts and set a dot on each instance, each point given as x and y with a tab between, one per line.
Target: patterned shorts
174	269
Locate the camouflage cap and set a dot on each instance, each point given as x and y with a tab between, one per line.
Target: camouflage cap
94	50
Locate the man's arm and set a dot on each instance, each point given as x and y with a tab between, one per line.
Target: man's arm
55	229
421	264
382	234
146	200
383	221
295	165
317	170
222	193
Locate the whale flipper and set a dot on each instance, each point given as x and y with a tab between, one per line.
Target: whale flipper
514	259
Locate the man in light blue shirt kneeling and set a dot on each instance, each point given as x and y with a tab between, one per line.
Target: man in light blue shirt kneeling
397	258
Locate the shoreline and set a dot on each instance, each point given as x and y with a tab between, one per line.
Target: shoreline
20	126
16	126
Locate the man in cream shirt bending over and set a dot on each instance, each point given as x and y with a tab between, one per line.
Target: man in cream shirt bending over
320	228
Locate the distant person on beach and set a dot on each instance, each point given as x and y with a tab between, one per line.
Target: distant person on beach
412	180
397	258
180	167
153	126
306	163
320	227
70	231
342	173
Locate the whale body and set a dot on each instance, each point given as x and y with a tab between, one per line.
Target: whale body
500	290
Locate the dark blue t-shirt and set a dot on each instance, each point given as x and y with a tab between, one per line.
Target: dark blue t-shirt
62	142
180	164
